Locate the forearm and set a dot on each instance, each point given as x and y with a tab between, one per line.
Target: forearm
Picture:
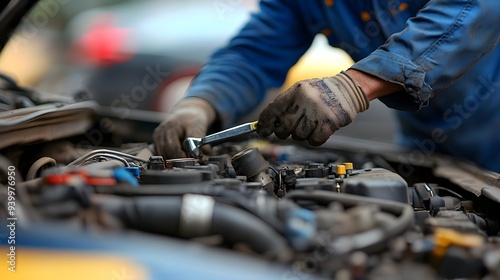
373	86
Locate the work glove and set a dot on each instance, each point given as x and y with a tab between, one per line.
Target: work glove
313	109
190	117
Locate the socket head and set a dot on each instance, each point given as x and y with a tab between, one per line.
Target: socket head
192	146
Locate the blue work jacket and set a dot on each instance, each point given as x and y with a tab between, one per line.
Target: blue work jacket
443	53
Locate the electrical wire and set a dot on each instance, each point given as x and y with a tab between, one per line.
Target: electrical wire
105	155
106	152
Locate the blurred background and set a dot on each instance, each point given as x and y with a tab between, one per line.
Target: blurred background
107	48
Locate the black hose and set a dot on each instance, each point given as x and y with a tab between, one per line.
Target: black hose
218	192
161	190
238	226
161	215
381	237
9	80
438	188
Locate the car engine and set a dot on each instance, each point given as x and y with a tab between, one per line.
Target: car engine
308	213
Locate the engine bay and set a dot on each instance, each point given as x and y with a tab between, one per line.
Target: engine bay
314	213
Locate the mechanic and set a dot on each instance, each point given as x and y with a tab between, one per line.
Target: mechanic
435	61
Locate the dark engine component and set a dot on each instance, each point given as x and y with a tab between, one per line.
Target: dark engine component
156	163
168	177
378	183
251	163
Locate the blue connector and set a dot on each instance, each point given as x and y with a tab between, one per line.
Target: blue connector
300	227
127	175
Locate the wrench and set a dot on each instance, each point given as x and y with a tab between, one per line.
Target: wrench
192	144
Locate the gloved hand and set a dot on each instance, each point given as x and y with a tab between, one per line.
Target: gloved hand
190	117
313	109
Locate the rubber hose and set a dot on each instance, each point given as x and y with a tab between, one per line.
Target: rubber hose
238	226
161	215
219	193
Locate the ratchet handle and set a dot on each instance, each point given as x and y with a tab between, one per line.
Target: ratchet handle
230	133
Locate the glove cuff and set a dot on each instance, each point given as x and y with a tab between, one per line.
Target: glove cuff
358	96
203	107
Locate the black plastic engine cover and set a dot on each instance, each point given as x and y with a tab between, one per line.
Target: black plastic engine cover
378	183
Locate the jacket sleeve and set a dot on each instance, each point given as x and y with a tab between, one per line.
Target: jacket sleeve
439	45
236	78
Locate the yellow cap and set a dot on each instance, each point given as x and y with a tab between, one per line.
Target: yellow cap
341	169
349	165
445	238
